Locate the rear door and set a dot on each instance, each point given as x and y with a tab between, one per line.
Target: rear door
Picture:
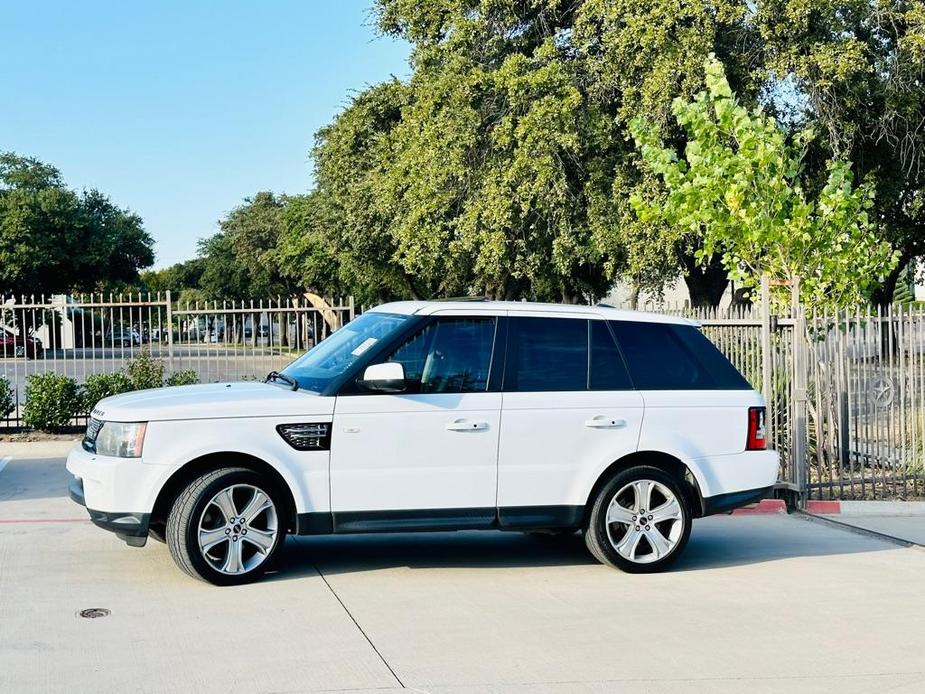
569	411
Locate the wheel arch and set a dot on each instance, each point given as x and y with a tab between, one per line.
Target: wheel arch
658	459
213	461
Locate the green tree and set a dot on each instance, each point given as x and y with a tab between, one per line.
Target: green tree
854	68
739	188
306	251
502	165
53	240
175	278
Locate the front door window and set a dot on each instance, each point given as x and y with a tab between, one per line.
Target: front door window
451	355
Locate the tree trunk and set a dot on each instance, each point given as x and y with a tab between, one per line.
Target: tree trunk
634	298
706	284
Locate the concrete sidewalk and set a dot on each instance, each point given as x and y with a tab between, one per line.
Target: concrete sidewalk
903	520
757	603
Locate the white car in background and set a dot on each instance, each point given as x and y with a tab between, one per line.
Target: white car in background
439	416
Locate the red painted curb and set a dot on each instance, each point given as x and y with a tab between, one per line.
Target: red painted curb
763	507
827	507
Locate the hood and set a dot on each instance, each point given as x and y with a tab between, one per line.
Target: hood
211	401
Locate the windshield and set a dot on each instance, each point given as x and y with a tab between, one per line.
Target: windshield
330	358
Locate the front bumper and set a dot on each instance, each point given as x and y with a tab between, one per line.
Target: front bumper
129	526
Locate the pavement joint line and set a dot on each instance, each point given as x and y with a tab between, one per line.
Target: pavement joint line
357	624
827	520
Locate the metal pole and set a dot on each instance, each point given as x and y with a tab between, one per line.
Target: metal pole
169	333
798	445
766	354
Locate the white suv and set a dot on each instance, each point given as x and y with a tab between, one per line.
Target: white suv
439	416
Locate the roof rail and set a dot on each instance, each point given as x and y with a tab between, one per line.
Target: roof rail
462	298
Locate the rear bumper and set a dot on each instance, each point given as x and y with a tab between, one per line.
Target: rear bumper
724	503
128	526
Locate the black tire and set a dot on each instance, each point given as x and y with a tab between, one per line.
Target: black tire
190	507
601	540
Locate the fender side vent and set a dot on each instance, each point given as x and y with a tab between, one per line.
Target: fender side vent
308	436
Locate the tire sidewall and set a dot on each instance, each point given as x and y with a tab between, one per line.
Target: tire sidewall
599	518
199	503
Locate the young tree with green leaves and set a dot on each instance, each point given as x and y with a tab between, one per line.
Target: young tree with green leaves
739	188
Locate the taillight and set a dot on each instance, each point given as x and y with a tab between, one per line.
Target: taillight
756	437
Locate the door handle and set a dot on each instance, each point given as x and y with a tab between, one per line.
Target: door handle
466	425
601	422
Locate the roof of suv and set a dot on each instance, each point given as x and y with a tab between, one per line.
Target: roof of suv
424	308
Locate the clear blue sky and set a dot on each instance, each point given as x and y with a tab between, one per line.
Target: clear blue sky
178	110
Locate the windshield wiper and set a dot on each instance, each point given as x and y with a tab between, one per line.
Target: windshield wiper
277	376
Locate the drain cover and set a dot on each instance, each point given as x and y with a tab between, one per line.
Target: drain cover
94	612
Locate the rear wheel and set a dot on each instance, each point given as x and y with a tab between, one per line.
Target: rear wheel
227	526
640	521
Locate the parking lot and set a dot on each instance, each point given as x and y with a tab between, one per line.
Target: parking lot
757	603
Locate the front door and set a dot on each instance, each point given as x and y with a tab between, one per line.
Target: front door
425	458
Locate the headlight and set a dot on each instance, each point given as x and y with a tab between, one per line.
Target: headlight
121	439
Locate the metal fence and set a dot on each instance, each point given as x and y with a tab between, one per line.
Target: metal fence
845	395
220	341
845	392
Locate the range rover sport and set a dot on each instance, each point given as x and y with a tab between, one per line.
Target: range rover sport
438	416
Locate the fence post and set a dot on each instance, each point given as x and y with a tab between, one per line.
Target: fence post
169	333
352	308
766	355
799	430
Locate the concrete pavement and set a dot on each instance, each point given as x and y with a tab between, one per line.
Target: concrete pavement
756	604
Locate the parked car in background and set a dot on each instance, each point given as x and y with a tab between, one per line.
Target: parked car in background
122	337
13	345
439	416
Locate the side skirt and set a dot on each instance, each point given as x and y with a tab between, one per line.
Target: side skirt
432	520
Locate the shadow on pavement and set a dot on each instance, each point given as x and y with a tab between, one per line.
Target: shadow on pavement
715	543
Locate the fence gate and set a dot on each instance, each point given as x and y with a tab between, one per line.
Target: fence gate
866	401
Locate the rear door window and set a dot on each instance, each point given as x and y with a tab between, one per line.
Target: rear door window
548	354
665	356
608	372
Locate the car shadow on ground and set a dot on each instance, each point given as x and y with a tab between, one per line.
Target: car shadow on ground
715	543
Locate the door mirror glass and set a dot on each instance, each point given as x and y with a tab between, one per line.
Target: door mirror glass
388	377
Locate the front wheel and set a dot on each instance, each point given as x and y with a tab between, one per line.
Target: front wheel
640	521
226	527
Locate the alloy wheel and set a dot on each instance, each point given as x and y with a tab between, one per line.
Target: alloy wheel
238	529
644	521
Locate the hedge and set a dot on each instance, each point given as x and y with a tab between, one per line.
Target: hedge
7	403
52	401
99	386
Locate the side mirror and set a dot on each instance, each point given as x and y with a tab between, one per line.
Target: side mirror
388	377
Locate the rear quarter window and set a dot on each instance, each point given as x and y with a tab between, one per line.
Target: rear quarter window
666	356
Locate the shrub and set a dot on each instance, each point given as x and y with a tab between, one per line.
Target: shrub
52	401
186	377
7	403
145	371
99	386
